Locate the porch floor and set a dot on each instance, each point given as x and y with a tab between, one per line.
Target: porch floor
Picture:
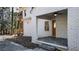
54	40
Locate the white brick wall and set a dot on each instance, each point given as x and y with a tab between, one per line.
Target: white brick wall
73	24
73	28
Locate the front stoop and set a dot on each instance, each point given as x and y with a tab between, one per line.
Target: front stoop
52	47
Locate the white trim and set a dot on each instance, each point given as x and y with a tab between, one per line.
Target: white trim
59	46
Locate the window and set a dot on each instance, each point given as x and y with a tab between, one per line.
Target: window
46	25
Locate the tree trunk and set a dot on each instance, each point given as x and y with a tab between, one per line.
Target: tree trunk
12	21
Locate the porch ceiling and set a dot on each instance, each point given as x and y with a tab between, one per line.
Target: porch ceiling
51	15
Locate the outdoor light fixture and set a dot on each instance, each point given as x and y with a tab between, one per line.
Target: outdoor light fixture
55	14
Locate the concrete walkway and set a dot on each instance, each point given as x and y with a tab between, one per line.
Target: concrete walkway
11	46
7	45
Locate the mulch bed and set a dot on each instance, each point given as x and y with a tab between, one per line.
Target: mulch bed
25	41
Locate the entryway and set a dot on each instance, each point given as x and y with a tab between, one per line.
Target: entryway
52	29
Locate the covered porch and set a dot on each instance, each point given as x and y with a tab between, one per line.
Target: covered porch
52	29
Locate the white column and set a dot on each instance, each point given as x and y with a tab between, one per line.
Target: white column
73	28
34	29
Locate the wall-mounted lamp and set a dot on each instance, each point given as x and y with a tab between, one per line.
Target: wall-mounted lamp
55	14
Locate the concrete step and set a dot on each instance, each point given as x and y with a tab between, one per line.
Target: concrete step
47	47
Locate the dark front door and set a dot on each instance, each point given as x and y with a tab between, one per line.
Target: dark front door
54	28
